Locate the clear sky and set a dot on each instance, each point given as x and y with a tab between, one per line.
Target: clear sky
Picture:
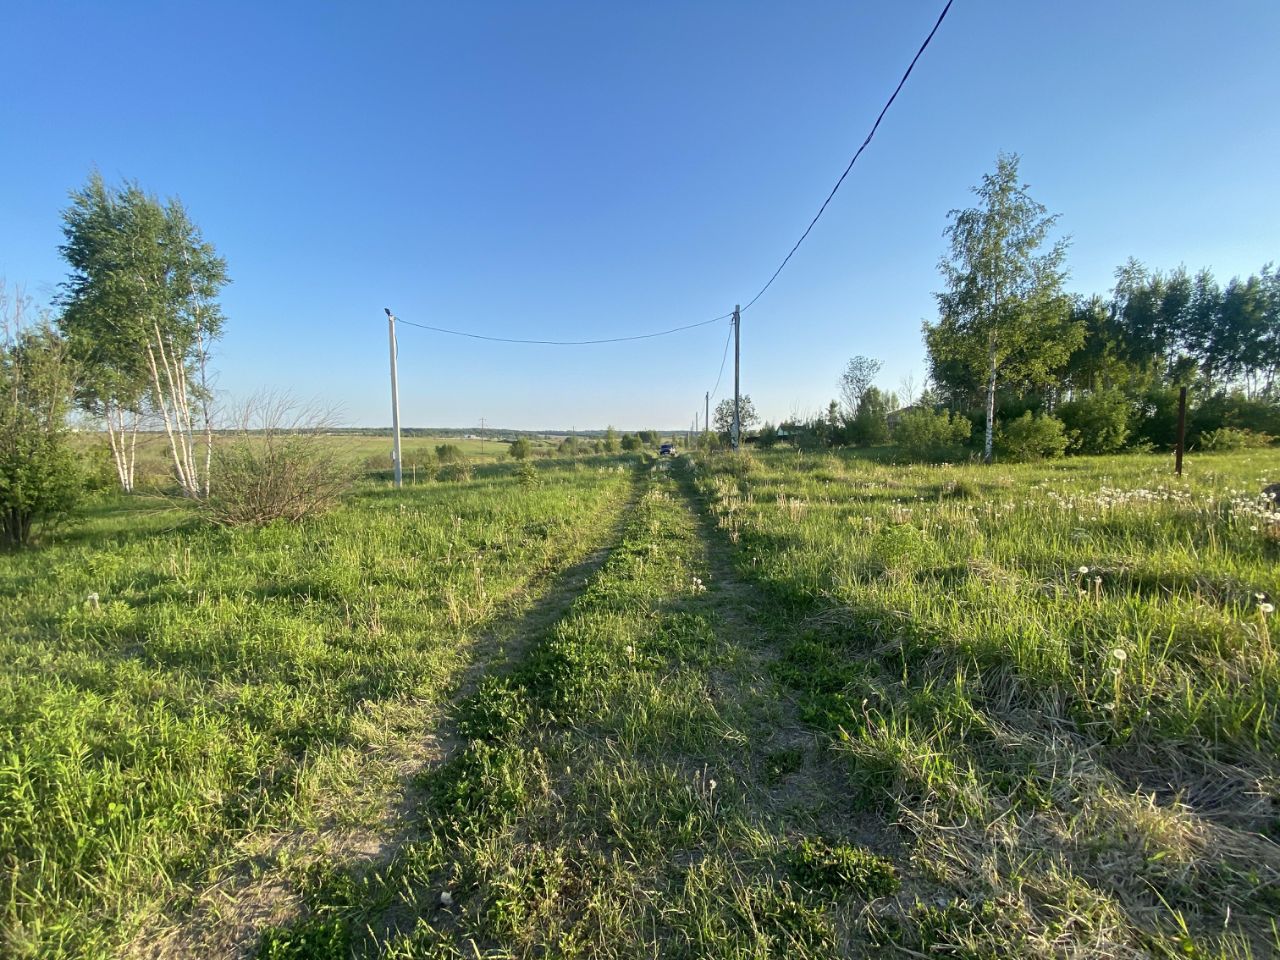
567	170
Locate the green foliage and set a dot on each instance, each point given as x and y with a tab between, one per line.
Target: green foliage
631	442
935	436
858	376
821	865
448	453
1231	409
140	314
1098	422
1002	317
40	479
767	437
312	939
722	415
454	471
1233	438
870	425
1032	437
520	448
527	474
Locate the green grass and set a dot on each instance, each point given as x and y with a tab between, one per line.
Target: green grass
1059	680
776	705
180	704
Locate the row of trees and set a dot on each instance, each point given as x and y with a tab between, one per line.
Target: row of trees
1010	340
1036	371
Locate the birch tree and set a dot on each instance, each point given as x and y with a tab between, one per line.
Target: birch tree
141	314
1003	312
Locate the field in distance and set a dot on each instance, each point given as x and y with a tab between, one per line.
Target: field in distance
771	705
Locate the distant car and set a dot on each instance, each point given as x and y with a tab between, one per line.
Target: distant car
667	450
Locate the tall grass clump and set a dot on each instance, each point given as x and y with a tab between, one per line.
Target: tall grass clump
277	466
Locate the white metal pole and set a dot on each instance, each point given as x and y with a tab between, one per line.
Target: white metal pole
395	398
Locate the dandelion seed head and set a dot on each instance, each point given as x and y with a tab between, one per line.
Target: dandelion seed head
1120	654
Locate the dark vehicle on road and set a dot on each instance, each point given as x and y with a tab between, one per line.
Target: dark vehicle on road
667	450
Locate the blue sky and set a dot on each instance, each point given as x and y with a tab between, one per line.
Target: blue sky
570	170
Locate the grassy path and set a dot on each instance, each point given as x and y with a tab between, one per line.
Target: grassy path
632	784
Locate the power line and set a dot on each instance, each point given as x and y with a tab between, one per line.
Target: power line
874	127
716	388
566	343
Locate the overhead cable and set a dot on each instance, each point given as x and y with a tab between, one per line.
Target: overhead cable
875	126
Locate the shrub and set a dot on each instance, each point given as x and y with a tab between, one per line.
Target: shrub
1155	418
767	437
1031	438
1231	410
870	424
278	466
456	472
40	480
1234	438
450	453
932	436
1097	422
520	448
527	474
631	442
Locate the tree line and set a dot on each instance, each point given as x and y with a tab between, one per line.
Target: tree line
1020	368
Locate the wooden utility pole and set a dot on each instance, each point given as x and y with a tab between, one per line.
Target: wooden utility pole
706	413
395	398
737	398
1182	431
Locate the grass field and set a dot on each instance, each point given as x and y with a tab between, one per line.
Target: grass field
779	705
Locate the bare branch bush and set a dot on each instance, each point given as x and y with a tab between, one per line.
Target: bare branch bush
277	464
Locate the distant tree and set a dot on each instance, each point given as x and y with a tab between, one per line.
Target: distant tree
610	444
859	374
570	446
520	448
870	425
39	477
907	390
450	453
631	442
722	416
768	436
1002	314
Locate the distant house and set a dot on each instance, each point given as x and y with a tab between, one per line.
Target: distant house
894	417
